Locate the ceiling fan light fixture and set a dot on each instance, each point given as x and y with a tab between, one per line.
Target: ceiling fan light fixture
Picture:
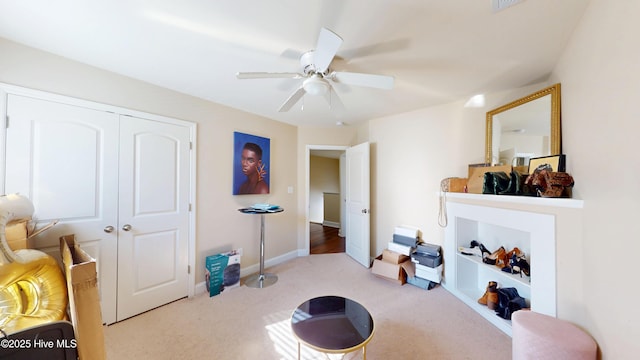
316	85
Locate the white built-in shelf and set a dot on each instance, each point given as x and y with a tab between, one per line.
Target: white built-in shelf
493	225
530	200
519	278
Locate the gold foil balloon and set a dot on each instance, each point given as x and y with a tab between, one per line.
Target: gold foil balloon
33	289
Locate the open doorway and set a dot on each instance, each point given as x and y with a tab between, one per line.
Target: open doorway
325	199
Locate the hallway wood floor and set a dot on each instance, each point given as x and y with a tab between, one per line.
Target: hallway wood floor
325	239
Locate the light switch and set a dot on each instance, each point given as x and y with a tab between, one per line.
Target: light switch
290	189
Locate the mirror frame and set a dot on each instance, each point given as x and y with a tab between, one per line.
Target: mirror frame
555	140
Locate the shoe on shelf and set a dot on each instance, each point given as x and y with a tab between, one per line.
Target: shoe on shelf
496	257
484	299
470	251
518	265
483	249
515	251
522	266
492	297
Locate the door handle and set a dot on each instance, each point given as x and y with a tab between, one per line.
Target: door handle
109	229
126	227
364	211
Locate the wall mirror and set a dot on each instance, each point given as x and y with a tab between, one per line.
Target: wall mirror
525	128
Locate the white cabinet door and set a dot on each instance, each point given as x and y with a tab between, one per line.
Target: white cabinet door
93	169
65	159
153	216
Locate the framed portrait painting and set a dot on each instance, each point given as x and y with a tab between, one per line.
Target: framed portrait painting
251	161
557	162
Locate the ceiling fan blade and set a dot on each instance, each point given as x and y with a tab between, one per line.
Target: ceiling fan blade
368	80
336	105
327	47
292	100
267	75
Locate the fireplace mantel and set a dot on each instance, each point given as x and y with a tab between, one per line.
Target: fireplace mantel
523	200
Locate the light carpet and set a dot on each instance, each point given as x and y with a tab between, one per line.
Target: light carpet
248	323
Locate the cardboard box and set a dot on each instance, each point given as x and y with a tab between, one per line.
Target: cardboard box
405	240
425	272
222	271
408	231
426	259
84	300
476	176
399	248
393	257
421	283
390	271
16	235
454	184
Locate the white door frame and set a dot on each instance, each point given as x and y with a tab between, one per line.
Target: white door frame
306	250
13	89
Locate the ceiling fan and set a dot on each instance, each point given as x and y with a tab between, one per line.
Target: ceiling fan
317	74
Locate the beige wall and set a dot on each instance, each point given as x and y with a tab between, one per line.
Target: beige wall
600	77
413	152
220	227
324	176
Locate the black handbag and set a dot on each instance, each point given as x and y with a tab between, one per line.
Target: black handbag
495	182
509	301
499	183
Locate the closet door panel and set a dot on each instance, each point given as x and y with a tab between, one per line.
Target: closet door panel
154	203
65	159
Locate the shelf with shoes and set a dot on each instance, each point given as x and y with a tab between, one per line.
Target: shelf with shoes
496	272
467	276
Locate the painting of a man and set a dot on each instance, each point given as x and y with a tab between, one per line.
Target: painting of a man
250	165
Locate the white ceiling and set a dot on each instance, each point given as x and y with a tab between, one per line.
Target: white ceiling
439	51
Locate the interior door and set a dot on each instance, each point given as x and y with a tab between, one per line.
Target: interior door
153	215
63	158
357	199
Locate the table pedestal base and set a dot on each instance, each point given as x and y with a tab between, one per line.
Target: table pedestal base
261	280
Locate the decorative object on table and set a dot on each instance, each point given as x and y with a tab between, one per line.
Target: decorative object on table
556	162
251	164
33	290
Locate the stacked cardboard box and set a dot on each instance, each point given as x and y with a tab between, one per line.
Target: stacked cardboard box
392	266
405	239
428	262
395	262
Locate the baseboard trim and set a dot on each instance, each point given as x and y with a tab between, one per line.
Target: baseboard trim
332	224
201	287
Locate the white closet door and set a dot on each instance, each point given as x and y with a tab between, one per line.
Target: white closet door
64	159
153	215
